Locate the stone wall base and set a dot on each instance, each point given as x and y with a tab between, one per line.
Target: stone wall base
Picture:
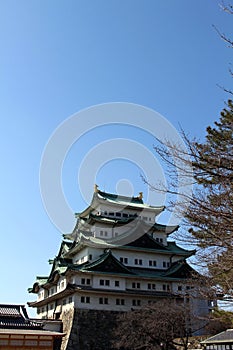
88	329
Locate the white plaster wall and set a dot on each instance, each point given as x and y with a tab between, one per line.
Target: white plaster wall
41	294
96	282
81	256
61	285
94	302
147	215
160	236
144	256
77	279
84	255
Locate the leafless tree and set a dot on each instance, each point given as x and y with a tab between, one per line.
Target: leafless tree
155	326
208	218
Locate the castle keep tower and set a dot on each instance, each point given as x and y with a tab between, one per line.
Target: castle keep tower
117	258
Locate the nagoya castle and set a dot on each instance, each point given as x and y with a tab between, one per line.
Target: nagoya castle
117	258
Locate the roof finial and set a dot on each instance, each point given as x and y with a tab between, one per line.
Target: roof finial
140	195
96	188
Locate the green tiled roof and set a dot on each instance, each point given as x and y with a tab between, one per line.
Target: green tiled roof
116	221
135	202
146	241
116	197
178	250
164	228
179	269
107	263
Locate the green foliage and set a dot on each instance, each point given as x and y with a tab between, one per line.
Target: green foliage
213	164
211	208
220	321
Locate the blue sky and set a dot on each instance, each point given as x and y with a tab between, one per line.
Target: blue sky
59	57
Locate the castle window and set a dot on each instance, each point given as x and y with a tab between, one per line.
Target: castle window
151	286
166	287
161	240
64	302
111	214
136	285
105	233
138	261
118	214
136	302
117	283
120	301
104	282
124	260
144	218
90	256
51	306
179	288
152	263
103	300
125	215
85	300
85	281
164	264
70	300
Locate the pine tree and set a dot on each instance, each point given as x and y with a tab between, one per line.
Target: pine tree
210	211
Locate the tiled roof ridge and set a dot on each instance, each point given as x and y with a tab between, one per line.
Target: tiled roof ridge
132	199
103	258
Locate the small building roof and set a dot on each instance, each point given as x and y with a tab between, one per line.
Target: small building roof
15	316
223	337
31	332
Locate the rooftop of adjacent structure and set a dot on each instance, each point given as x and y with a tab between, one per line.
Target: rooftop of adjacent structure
223	337
26	332
15	316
